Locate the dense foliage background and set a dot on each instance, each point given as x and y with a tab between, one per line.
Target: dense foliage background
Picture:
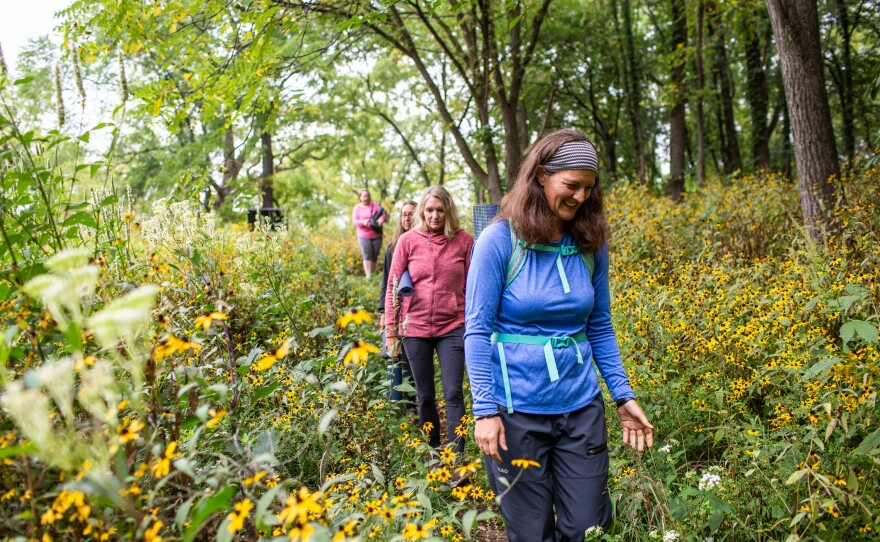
169	372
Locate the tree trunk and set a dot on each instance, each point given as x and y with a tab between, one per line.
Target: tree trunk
632	76
699	119
677	129
759	98
845	84
231	168
732	158
796	28
268	170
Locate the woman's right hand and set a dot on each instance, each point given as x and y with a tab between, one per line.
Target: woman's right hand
389	344
489	434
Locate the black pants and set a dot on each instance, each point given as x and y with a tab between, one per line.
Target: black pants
572	450
450	352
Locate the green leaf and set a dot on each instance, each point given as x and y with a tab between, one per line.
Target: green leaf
207	507
261	518
467	522
325	331
82	217
865	330
190	422
109	200
326	420
869	445
74	336
183	512
820	368
795	476
94	167
264	391
715	520
23	80
16	450
84	137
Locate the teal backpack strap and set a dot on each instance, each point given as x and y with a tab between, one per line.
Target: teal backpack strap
517	257
590	260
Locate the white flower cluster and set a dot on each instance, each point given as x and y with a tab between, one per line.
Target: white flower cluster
670	536
70	279
34	401
666	449
709	481
177	225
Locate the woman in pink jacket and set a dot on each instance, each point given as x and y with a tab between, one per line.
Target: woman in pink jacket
369	241
437	253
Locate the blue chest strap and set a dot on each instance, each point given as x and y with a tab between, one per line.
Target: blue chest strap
549	343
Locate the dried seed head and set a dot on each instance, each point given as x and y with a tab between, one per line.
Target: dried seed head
4	71
77	72
59	102
123	81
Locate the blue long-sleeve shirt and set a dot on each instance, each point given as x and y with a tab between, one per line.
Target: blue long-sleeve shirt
536	304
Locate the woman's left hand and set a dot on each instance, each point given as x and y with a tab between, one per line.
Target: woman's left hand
637	430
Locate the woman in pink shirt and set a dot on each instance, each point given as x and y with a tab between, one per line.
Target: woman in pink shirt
437	253
369	241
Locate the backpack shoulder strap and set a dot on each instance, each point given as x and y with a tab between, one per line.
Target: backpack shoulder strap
517	257
590	260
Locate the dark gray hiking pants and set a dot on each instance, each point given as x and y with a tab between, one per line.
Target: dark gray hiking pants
572	450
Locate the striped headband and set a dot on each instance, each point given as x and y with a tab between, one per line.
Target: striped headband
573	155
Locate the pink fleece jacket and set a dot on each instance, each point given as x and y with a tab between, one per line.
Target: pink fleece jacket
438	267
359	214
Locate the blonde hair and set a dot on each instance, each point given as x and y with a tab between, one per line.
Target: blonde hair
450	211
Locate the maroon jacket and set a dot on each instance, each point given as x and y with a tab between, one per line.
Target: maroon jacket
438	267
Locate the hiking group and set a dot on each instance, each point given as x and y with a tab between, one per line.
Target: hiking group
527	311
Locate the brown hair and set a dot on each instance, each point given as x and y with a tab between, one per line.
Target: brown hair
451	213
399	231
525	206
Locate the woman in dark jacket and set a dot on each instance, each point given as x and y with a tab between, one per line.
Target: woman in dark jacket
404	224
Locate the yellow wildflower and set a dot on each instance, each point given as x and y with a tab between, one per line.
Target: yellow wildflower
524	463
163	463
152	534
413	531
359	352
204	321
255	478
354	315
236	519
300	505
216	417
447	455
130	431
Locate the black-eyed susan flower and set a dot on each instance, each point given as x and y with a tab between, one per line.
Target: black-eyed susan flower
357	316
525	463
254	479
236	519
171	345
414	531
471	467
129	431
447	455
268	359
206	320
216	417
359	352
163	463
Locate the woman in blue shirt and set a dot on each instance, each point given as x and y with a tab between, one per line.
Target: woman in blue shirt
537	315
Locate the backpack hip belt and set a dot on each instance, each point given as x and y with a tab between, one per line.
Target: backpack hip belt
549	343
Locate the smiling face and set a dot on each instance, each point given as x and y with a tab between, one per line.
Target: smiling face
435	214
567	190
364	197
407	216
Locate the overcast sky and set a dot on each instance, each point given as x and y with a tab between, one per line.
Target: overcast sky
26	19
